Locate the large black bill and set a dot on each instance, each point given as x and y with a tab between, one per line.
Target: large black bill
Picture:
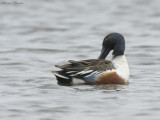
104	53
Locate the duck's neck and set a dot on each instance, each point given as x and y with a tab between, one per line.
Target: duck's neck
119	59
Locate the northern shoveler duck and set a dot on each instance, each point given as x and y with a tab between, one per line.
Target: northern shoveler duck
99	71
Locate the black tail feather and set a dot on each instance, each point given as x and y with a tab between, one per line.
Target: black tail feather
62	77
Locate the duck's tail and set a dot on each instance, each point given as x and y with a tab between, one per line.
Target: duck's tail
62	77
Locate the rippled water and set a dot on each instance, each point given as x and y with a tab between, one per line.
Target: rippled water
36	35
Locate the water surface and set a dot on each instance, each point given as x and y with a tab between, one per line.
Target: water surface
36	35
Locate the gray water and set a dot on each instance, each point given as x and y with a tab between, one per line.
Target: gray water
36	35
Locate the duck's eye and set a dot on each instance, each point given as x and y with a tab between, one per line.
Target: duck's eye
106	39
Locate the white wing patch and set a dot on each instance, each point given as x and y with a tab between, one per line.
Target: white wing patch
94	73
71	71
80	73
85	72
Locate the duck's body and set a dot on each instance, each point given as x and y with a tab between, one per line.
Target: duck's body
99	71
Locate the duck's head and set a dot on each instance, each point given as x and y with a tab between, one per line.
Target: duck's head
115	42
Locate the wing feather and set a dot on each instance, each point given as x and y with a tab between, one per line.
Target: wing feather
84	68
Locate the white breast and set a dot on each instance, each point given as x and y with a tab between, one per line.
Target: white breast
121	66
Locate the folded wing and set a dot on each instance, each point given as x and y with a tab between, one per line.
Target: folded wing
82	69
